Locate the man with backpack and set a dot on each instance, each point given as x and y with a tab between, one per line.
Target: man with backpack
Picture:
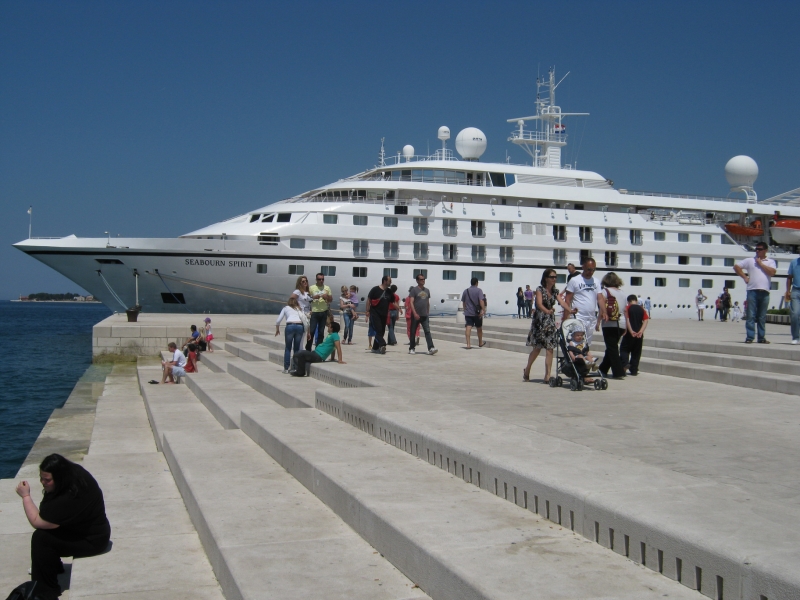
610	302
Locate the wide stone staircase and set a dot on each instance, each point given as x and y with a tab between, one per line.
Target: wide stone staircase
339	486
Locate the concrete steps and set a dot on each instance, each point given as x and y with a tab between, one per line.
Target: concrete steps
265	535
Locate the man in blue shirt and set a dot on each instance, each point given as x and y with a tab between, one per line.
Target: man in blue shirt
793	297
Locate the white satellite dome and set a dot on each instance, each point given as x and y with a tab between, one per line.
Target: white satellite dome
471	143
408	152
741	171
444	133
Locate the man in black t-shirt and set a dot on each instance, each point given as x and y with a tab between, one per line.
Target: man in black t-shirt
630	350
378	301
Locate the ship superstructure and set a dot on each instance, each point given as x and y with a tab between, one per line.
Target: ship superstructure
452	218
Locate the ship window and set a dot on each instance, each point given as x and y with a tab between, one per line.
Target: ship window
269	239
297	243
705	238
421	225
510	179
478	229
420	251
498	180
682	282
450	251
585	234
449	227
683	237
506	276
560	233
611	235
329	244
254	218
478	253
585	255
401	210
561	278
328	270
391	250
730	283
418	272
661	282
707	283
506	231
707	261
172	298
636	260
330	219
636	281
360	248
296	269
359	271
449	275
506	254
579	207
636	237
479	275
773	285
659	236
268	218
261	269
611	259
661	259
527	229
390	273
284	217
729	262
360	220
559	256
683	260
109	261
390	221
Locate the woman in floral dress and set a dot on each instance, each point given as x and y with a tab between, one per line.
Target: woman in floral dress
544	333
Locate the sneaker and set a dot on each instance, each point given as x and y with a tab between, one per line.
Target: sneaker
285	371
412	351
383	350
432	351
795	342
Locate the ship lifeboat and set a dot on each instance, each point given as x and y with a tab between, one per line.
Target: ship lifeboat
754	229
786	231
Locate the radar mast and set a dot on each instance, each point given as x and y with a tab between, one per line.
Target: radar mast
545	142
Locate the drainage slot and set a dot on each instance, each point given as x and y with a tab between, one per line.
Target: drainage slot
610	538
515	495
536	504
571	521
505	490
448	464
643	551
479	477
679	569
462	472
525	499
495	486
661	561
429	456
719	587
558	511
547	509
698	578
470	474
597	532
627	546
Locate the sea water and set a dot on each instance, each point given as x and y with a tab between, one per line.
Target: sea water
46	348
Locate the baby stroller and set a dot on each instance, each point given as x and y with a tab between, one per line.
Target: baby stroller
566	366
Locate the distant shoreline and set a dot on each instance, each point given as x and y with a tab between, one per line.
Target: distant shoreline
56	301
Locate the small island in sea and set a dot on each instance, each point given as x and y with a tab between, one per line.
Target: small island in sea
45	297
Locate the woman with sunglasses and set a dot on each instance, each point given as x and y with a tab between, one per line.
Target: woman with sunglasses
303	298
544	333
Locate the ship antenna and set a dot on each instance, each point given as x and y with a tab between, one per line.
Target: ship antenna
382	155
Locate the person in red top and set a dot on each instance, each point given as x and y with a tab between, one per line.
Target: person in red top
191	359
630	350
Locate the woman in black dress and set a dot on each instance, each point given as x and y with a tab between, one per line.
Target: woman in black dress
70	521
520	303
544	333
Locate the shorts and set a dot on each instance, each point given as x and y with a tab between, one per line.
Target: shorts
473	321
178	371
209	337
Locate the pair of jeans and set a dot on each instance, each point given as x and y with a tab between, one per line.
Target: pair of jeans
795	313
316	327
630	351
528	308
347	318
422	321
757	305
392	321
301	359
293	334
611	359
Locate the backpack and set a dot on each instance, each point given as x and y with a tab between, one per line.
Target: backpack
612	307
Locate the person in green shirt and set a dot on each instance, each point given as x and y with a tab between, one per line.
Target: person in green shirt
321	299
320	353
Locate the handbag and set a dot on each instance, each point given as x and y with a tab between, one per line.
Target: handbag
303	319
30	590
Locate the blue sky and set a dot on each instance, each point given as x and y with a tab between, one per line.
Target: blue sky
152	119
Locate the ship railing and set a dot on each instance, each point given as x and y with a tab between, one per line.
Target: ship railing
538	136
455	180
681	196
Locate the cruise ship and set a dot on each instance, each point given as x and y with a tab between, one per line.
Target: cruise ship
452	218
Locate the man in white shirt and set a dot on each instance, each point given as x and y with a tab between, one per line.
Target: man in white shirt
174	367
759	271
581	296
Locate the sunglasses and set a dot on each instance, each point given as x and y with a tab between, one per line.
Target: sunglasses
552	277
